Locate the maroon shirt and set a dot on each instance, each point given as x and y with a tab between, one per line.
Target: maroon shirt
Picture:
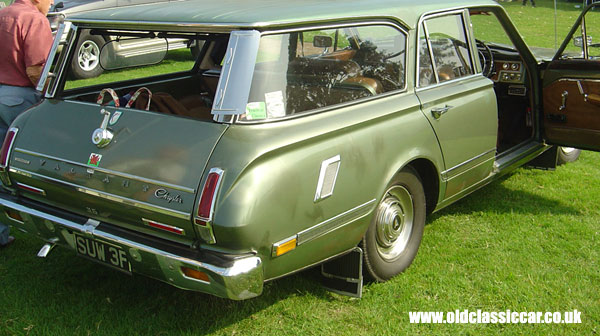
25	40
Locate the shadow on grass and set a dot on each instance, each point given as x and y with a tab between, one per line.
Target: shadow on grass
497	198
64	294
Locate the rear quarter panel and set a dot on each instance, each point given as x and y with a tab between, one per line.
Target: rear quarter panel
272	169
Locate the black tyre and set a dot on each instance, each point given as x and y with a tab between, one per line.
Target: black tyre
567	154
393	238
86	63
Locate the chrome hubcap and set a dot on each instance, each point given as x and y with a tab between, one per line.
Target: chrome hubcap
394	222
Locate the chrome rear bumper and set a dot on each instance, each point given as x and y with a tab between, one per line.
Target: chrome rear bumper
233	277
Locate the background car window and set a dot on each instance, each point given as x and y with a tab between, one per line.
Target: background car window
307	70
448	41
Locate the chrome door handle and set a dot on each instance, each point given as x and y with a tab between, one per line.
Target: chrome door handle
564	97
438	111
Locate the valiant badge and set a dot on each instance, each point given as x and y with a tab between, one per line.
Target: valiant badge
115	117
94	160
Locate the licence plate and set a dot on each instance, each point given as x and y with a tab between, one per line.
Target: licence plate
105	253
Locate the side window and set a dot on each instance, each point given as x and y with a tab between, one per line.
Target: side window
449	48
306	70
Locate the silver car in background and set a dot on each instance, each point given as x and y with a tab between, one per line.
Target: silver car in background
87	63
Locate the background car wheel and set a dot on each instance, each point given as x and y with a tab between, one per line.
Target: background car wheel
195	50
393	238
567	154
87	62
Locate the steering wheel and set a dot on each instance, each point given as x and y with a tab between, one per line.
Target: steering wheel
396	54
486	57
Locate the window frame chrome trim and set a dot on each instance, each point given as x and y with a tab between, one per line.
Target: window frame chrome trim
463	11
61	63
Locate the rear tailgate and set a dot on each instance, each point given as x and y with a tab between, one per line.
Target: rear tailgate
149	173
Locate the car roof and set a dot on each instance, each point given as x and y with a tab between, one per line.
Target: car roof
229	14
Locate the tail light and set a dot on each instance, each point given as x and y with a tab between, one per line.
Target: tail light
206	205
9	139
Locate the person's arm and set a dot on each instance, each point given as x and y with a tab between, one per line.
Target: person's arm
34	73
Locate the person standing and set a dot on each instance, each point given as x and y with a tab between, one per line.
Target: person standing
26	39
532	3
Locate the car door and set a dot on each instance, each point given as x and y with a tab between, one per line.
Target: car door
457	100
571	87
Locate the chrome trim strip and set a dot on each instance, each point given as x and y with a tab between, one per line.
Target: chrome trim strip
223	27
437	13
179	230
30	188
108	171
455	80
110	197
450	173
324	165
60	64
334	223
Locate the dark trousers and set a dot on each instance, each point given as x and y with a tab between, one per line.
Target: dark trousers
532	2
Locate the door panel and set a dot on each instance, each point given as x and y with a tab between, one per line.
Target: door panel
571	94
466	131
572	113
460	105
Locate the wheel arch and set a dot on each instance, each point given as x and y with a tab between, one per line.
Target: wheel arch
429	175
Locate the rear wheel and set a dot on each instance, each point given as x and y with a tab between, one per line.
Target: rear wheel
393	238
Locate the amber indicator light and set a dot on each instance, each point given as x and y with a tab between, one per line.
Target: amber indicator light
14	215
195	274
286	247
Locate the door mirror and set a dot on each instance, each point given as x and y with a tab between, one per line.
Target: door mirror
578	41
321	41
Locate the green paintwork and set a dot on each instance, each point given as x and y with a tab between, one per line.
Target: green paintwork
147	153
271	170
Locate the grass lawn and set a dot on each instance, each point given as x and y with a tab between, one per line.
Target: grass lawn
527	242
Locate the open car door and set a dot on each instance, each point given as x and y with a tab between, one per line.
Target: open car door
571	87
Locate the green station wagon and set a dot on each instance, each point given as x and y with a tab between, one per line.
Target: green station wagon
303	133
